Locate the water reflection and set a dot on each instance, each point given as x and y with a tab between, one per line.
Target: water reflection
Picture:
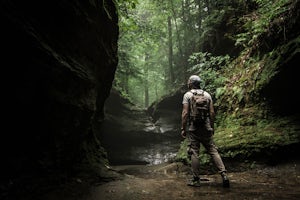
156	153
141	149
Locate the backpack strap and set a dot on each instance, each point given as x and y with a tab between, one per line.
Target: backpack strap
190	99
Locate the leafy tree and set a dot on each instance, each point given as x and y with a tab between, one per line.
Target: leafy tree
157	39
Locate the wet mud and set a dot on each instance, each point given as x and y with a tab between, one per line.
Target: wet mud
169	182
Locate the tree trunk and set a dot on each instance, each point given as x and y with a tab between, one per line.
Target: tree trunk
199	16
177	31
171	71
146	81
185	19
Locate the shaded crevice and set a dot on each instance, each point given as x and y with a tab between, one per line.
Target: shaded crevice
282	91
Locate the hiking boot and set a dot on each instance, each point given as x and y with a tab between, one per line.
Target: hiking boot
195	182
225	180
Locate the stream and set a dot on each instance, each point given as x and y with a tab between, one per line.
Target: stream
141	148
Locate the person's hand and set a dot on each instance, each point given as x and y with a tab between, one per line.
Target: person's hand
183	133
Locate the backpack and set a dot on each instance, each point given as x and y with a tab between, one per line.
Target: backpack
199	108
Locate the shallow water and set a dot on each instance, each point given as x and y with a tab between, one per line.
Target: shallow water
142	148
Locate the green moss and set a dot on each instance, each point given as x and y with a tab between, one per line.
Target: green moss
250	132
245	125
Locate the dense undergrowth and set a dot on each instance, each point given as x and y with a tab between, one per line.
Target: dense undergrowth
248	125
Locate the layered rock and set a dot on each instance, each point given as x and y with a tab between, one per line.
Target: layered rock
58	63
132	135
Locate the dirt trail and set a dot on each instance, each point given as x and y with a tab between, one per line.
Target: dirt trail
168	182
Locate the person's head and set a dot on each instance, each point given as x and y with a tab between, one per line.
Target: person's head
194	82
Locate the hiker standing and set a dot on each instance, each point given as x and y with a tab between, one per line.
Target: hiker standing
198	125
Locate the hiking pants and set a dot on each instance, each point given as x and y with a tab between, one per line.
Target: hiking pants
206	139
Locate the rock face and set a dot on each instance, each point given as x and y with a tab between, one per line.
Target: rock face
132	135
166	113
58	61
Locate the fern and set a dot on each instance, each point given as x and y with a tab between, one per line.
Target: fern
259	22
